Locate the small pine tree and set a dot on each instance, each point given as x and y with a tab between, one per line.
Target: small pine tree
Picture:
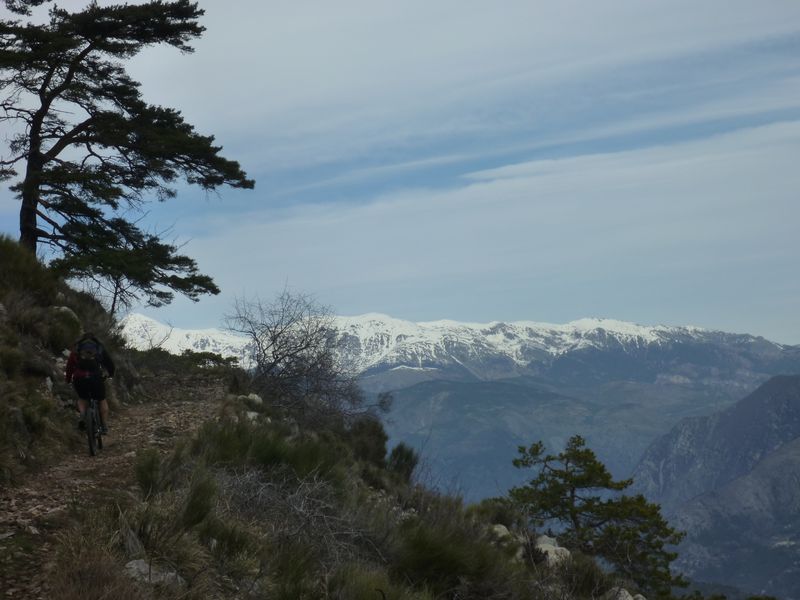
572	488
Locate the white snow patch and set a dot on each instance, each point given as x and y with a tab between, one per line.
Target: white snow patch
386	340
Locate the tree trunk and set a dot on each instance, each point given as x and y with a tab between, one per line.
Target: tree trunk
28	228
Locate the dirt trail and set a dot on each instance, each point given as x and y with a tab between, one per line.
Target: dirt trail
33	513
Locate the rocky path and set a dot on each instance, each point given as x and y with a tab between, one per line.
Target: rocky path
33	513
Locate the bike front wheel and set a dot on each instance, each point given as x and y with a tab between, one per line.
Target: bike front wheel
91	426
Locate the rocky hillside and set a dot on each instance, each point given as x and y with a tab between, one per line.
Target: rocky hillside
731	480
702	454
205	490
746	533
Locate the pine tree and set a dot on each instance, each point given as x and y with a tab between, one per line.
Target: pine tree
576	491
87	151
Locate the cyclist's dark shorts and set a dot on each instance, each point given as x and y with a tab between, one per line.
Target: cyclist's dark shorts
90	387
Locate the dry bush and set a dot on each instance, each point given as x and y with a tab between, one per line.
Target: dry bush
89	566
160	528
296	367
289	508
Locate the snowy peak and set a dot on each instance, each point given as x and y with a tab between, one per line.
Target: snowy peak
144	333
380	339
392	353
376	340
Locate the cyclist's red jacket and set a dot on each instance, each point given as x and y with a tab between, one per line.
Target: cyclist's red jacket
73	372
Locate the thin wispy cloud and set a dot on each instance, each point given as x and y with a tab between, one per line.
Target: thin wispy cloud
480	161
699	211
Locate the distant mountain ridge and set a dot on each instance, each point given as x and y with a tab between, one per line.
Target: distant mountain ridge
383	338
731	480
618	384
144	333
375	343
702	454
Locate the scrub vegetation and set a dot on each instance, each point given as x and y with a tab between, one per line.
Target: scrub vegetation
285	488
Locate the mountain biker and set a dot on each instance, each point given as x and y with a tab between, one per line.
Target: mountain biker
85	368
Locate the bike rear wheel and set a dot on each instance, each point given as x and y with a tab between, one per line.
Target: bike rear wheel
91	427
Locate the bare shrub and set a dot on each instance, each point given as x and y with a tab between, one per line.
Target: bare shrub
295	364
292	511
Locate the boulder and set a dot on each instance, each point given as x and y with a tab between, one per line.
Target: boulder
500	532
67	321
255	399
141	570
501	536
554	555
546	539
617	593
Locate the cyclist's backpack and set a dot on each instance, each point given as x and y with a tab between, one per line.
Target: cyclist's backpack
89	352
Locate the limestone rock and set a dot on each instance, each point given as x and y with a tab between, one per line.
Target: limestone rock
618	593
546	539
68	320
141	570
554	554
500	532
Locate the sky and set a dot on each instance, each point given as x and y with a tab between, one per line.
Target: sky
486	161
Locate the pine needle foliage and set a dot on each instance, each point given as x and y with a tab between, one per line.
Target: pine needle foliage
576	491
86	151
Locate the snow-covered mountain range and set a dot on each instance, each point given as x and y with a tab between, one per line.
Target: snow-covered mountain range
375	340
381	339
144	333
391	353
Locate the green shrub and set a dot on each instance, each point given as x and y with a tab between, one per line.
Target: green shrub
21	270
228	539
268	448
11	360
442	555
88	565
35	412
368	439
294	571
64	329
363	582
147	468
26	316
161	524
200	501
312	455
497	511
403	460
582	577
226	441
